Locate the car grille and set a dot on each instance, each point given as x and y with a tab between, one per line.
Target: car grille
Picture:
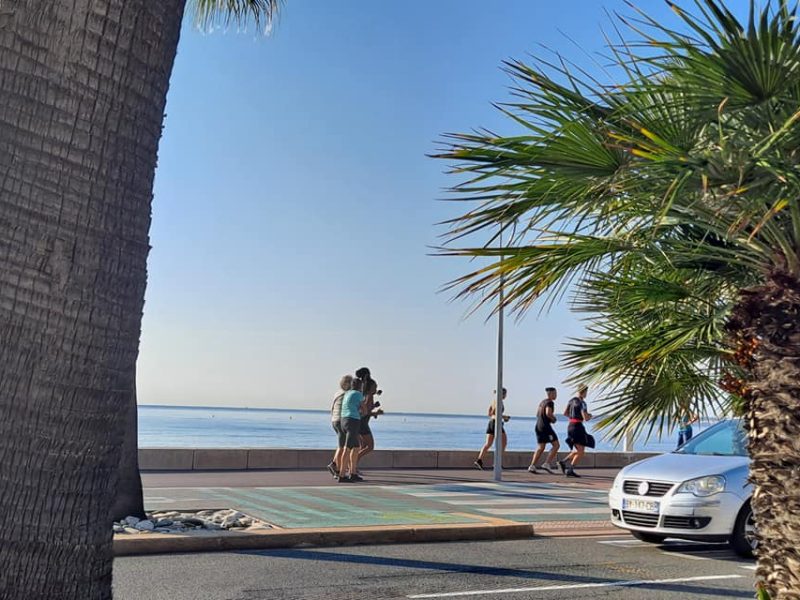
657	488
639	519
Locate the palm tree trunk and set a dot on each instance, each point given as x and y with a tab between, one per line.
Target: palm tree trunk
129	498
770	316
82	93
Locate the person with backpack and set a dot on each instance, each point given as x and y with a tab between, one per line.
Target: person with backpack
545	434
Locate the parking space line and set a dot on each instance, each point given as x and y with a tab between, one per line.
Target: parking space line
626	543
682	555
577	586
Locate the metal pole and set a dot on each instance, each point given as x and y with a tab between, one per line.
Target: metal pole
627	445
499	404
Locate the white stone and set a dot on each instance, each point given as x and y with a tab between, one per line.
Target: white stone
131	521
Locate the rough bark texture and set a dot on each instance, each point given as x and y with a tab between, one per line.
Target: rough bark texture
82	92
770	316
129	497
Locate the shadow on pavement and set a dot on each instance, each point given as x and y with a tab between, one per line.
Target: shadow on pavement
321	555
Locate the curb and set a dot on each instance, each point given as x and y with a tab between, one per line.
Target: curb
578	533
401	534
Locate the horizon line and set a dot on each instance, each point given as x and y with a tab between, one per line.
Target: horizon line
310	410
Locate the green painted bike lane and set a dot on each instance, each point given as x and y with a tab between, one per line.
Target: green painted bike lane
357	505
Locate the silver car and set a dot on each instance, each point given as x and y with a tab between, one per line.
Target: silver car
698	492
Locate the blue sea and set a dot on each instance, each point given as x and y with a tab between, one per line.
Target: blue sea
205	427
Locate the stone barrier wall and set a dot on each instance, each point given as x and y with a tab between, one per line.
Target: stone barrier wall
222	459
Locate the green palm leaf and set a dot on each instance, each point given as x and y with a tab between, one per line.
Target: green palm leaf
209	13
654	200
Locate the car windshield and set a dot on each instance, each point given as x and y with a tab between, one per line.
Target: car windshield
726	438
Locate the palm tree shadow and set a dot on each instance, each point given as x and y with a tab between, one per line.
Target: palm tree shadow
460	568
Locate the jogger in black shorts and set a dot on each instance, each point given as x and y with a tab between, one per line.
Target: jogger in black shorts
490	432
545	434
577	437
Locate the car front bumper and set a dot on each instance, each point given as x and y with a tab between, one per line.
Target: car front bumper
679	515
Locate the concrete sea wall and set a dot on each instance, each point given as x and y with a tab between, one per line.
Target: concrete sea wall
240	459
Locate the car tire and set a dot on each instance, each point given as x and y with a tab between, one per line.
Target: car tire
650	538
743	540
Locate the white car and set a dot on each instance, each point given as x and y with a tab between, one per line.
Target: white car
698	492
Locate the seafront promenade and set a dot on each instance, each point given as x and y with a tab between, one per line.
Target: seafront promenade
392	505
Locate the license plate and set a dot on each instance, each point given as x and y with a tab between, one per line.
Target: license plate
646	506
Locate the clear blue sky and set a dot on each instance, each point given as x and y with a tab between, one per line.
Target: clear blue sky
294	207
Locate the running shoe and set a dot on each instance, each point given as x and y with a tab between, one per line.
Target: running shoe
332	469
533	469
342	479
549	468
356	477
572	473
563	466
478	464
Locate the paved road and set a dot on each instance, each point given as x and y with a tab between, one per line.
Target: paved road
541	568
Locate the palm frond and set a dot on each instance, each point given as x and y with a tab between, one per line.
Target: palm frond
210	13
655	199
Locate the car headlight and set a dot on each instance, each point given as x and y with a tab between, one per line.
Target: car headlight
703	486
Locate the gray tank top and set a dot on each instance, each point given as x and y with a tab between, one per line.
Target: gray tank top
336	408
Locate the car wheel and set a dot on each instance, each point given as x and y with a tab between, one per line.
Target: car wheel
744	539
650	538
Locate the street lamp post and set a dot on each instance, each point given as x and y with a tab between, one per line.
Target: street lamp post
498	398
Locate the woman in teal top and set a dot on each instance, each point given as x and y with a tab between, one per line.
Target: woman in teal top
352	408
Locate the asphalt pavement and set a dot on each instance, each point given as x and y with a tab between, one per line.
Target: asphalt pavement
610	567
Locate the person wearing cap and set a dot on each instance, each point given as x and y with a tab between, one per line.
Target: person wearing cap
545	434
370	410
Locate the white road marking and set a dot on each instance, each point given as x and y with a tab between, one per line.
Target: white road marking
624	543
509	501
689	556
176	501
576	586
545	511
533	495
750	567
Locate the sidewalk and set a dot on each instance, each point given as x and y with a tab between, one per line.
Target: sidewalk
309	507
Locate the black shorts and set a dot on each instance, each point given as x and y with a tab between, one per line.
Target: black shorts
546	436
351	436
577	436
364	427
490	427
340	434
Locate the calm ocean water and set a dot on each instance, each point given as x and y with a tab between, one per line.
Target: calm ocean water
204	427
